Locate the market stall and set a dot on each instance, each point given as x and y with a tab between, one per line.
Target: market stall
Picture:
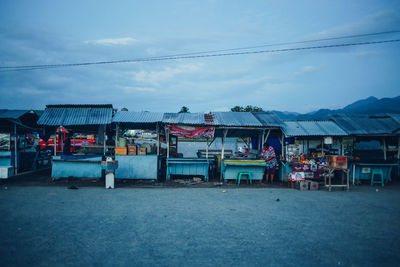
18	152
306	144
373	145
67	160
256	126
190	126
137	145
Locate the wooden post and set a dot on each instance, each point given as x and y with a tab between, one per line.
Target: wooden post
104	140
398	148
322	147
282	147
9	141
262	139
225	132
384	149
207	148
15	150
266	138
167	140
158	138
341	147
55	144
116	135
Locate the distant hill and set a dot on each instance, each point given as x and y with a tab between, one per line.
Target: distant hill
370	105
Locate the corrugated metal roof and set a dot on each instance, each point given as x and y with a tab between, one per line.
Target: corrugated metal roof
364	124
185	118
12	113
69	115
312	128
268	118
238	119
395	116
138	117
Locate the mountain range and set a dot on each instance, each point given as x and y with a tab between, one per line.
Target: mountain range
370	105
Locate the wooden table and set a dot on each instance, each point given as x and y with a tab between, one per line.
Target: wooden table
330	185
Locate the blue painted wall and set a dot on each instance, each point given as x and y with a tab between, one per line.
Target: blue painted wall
137	167
65	169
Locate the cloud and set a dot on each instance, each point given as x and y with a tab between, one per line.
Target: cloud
306	69
156	77
113	41
382	21
138	89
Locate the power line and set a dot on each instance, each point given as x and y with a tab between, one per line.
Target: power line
213	51
35	67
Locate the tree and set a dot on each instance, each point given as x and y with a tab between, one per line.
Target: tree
184	109
248	108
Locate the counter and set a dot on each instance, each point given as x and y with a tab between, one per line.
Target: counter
230	168
188	166
76	166
137	167
363	171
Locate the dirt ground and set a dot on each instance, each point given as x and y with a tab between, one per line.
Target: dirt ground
42	225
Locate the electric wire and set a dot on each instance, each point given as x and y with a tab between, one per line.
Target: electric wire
36	67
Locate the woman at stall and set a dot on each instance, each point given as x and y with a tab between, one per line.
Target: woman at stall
268	154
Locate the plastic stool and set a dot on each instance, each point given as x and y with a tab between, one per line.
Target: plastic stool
244	173
377	172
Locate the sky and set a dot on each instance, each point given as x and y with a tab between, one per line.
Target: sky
61	32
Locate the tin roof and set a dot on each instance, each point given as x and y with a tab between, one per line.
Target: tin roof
72	115
185	118
268	118
137	117
238	119
312	128
366	124
12	113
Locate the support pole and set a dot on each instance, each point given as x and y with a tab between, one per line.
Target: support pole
167	140
266	138
398	148
384	149
104	141
225	132
9	141
158	138
322	147
282	145
73	149
15	150
116	135
341	147
262	139
207	145
55	144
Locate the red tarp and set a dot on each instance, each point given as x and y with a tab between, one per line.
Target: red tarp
192	132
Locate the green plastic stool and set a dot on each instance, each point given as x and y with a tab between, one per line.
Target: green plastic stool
377	172
244	173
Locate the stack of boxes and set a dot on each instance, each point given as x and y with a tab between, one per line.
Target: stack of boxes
307	185
132	150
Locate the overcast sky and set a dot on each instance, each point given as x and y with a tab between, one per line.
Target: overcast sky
57	32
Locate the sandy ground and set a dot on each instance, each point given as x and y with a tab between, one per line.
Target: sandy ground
56	226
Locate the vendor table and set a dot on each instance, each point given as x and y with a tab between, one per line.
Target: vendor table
232	167
188	166
330	172
363	171
77	166
6	158
137	167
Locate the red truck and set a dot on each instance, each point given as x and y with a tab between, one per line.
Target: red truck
76	143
